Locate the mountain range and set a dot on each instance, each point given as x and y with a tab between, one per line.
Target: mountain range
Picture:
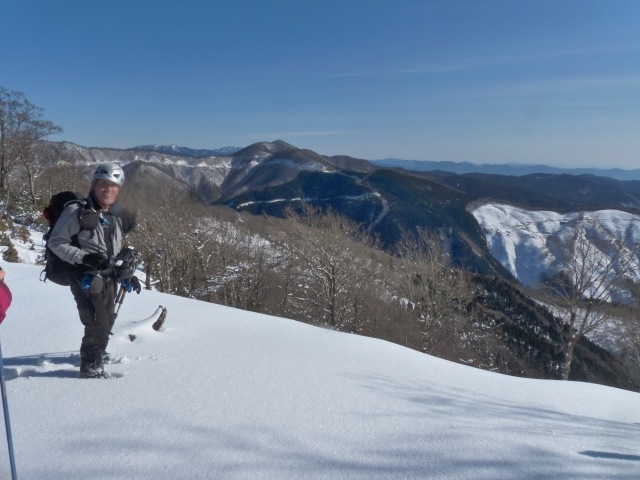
504	169
268	177
495	225
188	152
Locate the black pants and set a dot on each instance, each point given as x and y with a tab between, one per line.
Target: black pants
97	314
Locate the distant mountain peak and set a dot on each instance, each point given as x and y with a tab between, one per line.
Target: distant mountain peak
281	145
271	147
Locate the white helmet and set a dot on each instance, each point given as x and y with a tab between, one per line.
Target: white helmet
109	171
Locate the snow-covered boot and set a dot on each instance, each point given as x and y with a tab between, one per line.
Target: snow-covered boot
106	357
92	370
91	362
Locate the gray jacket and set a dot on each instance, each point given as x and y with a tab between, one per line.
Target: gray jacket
70	242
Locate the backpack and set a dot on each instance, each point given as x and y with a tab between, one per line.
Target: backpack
56	269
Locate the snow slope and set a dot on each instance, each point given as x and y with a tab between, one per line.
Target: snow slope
523	240
229	394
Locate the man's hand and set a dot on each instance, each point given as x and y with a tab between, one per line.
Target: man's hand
131	284
94	260
135	284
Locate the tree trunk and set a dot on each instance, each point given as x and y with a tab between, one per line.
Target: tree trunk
6	202
30	178
147	276
4	183
568	356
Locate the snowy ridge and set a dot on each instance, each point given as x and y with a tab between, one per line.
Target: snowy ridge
523	241
188	152
213	177
307	199
316	167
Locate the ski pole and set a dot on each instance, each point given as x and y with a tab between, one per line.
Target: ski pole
119	299
7	423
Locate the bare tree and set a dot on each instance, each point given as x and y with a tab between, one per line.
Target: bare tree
173	240
597	263
241	269
53	178
323	246
628	329
35	162
21	127
435	290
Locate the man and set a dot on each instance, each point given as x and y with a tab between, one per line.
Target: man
90	236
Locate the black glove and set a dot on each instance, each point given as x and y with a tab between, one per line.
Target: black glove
135	284
94	260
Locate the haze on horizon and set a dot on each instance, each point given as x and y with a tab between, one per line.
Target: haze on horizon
545	82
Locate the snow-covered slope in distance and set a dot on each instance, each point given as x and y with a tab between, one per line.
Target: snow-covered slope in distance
229	394
523	240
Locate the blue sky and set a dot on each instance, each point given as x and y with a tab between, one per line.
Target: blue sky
546	81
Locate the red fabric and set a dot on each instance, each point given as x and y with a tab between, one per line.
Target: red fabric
5	300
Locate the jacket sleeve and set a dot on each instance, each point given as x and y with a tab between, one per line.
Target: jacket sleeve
62	235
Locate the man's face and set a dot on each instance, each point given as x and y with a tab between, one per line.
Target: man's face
106	192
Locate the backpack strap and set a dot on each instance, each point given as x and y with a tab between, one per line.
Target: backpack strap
80	201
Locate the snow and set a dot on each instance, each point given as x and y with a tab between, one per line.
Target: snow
523	240
306	199
296	164
228	394
30	251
